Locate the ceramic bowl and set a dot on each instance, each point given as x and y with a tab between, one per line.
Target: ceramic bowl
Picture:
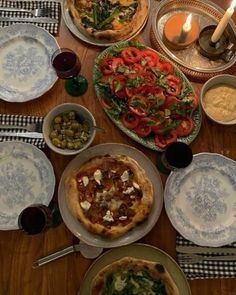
214	82
83	114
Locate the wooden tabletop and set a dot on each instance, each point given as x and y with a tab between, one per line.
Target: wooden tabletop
64	276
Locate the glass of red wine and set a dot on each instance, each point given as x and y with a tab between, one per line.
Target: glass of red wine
177	155
35	219
67	66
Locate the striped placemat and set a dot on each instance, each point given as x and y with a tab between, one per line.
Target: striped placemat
206	269
20	120
55	7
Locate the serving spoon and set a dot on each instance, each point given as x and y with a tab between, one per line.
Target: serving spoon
87	251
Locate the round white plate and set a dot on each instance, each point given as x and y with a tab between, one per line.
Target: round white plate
25	62
88	39
140	230
200	200
26	177
141	251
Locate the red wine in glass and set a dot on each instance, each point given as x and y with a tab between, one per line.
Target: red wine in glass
66	63
35	219
67	66
177	155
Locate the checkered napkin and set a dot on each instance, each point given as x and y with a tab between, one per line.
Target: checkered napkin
207	269
20	120
53	5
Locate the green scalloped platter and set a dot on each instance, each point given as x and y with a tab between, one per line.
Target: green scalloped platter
149	140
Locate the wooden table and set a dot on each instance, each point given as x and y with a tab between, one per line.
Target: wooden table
64	276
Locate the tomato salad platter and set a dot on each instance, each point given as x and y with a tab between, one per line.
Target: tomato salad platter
146	95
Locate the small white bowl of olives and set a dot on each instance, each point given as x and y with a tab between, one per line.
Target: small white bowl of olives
69	128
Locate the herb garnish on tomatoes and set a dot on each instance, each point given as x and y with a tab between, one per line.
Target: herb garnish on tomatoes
147	94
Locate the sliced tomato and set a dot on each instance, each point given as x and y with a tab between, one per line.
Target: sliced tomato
165	66
131	55
171	103
138	105
162	141
151	58
130	120
118	85
157	124
143	129
106	65
106	103
109	64
174	84
136	70
191	102
185	127
149	77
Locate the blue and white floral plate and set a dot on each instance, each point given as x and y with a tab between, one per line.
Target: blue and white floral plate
26	177
25	62
200	200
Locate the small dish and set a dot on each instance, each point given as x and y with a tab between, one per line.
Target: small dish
84	115
216	81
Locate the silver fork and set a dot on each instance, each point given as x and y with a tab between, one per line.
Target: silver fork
194	258
33	127
34	12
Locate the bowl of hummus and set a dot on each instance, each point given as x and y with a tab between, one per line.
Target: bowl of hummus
218	99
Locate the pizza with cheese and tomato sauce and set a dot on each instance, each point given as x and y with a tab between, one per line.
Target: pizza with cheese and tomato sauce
111	20
132	276
109	195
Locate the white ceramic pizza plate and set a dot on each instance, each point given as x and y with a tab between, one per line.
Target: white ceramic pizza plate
200	200
25	62
26	178
141	251
139	231
86	38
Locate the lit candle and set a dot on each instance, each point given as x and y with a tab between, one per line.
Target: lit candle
185	29
223	23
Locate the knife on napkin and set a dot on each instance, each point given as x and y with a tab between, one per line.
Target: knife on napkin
22	134
44	20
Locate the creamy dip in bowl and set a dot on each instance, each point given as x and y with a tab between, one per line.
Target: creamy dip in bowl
218	99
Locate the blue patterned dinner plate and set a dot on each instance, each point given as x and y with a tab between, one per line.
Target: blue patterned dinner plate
200	200
25	62
26	178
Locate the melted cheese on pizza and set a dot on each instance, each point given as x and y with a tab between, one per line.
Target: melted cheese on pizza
109	194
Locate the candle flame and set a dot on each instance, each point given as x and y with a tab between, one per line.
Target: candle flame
233	4
188	20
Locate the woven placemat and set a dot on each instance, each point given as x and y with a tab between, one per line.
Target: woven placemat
53	5
207	269
20	120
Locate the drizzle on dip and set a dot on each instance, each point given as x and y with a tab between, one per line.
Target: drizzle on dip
220	102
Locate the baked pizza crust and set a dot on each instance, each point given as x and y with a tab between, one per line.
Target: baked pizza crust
156	270
142	212
127	30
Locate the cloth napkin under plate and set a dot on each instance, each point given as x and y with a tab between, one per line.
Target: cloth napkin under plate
207	269
53	5
20	120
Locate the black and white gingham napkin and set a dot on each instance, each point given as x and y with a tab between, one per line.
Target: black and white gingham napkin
20	120
55	7
207	269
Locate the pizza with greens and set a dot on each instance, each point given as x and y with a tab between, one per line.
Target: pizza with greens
132	276
111	20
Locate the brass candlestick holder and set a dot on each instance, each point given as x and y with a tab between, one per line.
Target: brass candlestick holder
222	49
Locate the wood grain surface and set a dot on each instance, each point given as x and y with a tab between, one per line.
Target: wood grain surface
64	276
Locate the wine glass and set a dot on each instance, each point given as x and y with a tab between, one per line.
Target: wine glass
67	66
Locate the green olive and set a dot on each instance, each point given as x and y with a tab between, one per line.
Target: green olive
58	119
68	131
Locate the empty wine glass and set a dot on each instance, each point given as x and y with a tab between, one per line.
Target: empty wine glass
67	66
